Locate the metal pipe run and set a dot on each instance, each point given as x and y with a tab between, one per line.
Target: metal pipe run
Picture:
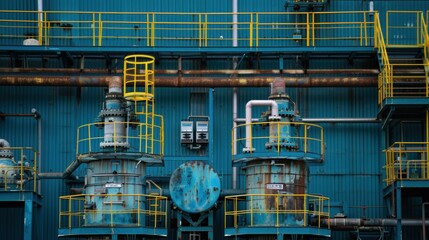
341	120
232	71
73	166
324	120
249	105
102	81
351	223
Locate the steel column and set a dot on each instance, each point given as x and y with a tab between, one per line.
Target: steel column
28	219
398	212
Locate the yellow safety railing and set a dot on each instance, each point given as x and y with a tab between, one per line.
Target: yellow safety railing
298	136
19	172
136	137
133	29
243	210
407	161
403	28
135	210
402	79
385	76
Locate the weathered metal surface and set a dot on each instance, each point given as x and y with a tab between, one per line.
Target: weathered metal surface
292	174
98	81
195	187
205	71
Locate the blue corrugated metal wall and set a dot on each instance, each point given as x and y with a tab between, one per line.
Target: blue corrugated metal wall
351	175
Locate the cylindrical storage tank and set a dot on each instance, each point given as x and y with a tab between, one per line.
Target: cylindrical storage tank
113	193
195	187
8	173
288	177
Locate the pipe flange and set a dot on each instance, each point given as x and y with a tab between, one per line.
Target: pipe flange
114	96
114	144
113	113
6	154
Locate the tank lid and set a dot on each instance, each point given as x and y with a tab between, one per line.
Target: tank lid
194	187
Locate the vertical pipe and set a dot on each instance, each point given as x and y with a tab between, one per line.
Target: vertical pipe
234	90
39	149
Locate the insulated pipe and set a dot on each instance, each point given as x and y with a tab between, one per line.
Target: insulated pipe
4	143
249	105
102	81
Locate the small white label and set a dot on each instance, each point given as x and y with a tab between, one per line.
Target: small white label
275	186
113	185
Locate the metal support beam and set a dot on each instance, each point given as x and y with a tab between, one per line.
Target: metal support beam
28	219
398	213
386	120
101	81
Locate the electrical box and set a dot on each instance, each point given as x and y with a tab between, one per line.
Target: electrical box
186	131
202	133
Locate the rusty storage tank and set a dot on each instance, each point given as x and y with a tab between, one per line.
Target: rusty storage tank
195	187
267	177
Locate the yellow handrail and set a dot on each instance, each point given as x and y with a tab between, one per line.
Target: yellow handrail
385	77
309	138
146	137
149	29
241	208
72	212
16	175
407	161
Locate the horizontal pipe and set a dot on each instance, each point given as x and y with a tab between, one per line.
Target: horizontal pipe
207	71
324	120
162	81
350	223
223	193
341	120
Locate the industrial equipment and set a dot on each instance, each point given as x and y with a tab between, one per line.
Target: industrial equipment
117	149
274	159
195	189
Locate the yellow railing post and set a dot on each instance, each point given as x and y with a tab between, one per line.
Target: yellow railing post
236	212
251	31
70	211
307	27
100	30
257	30
277	210
251	210
305	210
365	29
93	30
305	139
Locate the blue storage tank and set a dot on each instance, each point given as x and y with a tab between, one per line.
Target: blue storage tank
195	187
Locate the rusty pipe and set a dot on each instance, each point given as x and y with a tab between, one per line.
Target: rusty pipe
197	71
162	81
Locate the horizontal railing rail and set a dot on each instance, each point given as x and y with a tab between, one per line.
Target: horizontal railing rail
139	137
141	210
280	137
243	210
19	171
407	161
150	29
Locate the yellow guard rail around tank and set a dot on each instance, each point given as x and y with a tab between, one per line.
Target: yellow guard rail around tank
239	209
72	211
187	29
309	138
89	137
407	161
22	173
